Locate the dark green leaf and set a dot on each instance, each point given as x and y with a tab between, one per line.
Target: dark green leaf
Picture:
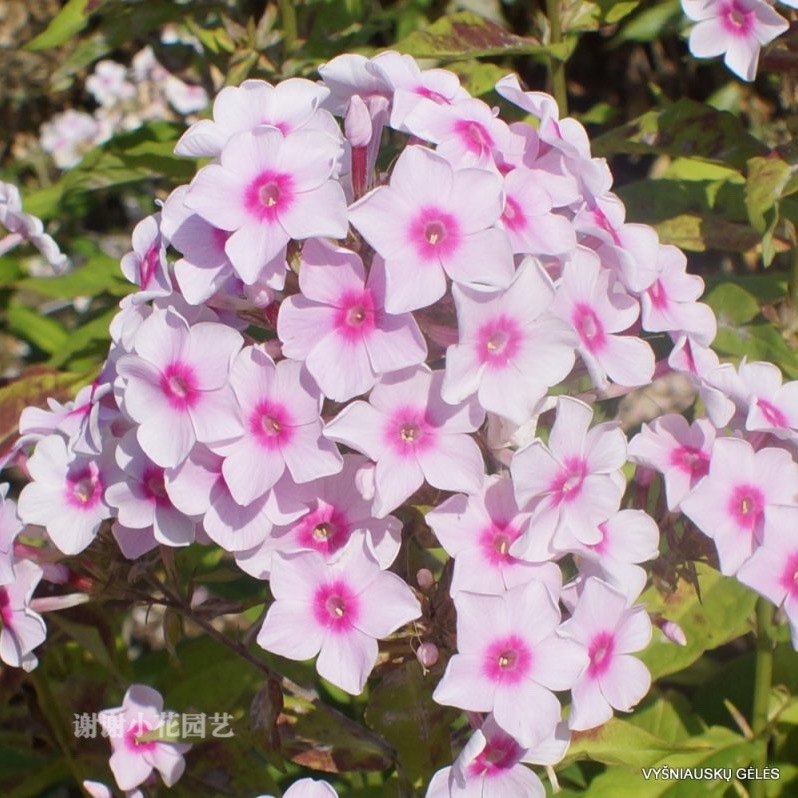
71	19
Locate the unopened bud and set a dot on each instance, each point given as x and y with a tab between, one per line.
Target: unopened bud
674	633
427	654
425	579
357	122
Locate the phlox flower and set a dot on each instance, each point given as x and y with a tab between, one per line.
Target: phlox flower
627	538
528	219
610	632
669	303
571	485
137	491
10	527
175	385
478	532
735	29
332	510
509	666
307	788
65	494
492	764
772	570
146	265
340	318
282	429
337	609
510	350
21	629
433	220
96	789
197	487
267	189
680	451
412	435
584	299
291	105
133	759
733	503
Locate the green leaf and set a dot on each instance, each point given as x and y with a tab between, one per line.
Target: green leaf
650	24
477	77
42	331
722	614
467	35
97	276
401	710
70	20
684	129
769	179
732	304
699	232
668	715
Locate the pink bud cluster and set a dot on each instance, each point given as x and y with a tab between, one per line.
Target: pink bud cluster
317	345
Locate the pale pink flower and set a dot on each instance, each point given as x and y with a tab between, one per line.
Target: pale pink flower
267	189
108	83
340	318
291	105
610	632
176	385
773	569
733	503
478	532
68	136
65	494
680	451
509	666
337	609
96	789
133	759
433	220
282	429
510	350
10	527
735	29
412	435
146	266
491	764
770	406
596	313
571	485
21	629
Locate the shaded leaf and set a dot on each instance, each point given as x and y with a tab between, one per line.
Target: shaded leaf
401	710
684	129
41	331
71	19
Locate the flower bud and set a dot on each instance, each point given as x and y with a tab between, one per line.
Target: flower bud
427	654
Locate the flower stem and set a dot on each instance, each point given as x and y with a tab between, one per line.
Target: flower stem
763	678
288	14
557	66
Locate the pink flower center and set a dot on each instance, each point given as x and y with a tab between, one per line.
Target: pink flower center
269	194
335	606
772	414
498	341
600	651
84	486
568	484
789	576
409	432
690	460
355	316
508	660
746	506
513	215
132	735
501	752
738	20
153	483
473	136
604	223
325	529
179	385
495	541
589	327
6	613
658	295
271	424
434	233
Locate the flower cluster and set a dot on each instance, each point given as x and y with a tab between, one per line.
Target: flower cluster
735	29
316	346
